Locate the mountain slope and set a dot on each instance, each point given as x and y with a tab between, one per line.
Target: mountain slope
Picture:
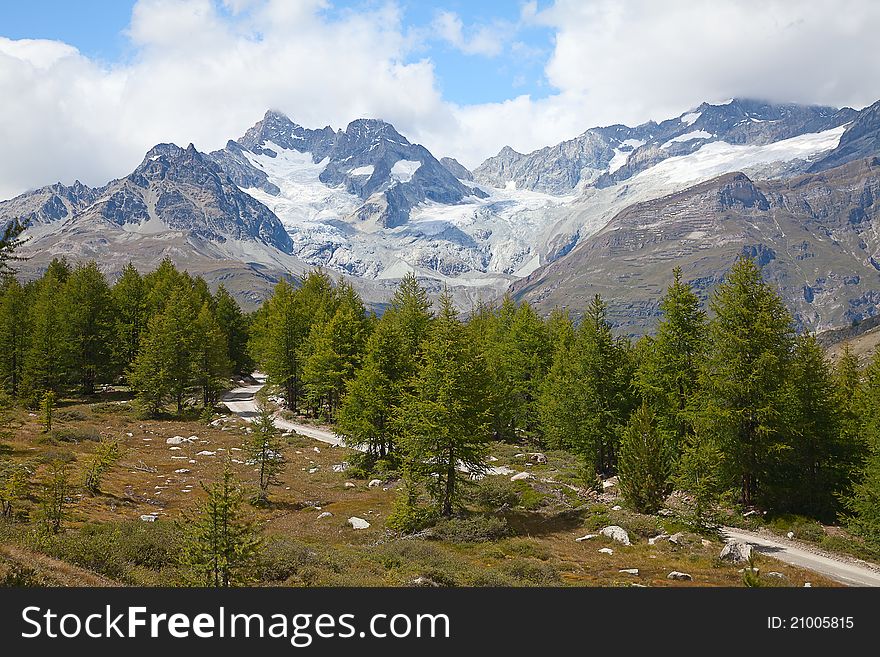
816	237
861	139
610	155
177	203
370	160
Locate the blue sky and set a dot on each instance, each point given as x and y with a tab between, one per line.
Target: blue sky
89	86
97	28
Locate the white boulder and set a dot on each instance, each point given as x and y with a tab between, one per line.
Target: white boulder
358	523
521	476
736	551
682	577
615	533
374	483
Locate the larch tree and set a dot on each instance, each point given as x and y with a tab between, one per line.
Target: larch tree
222	545
645	463
45	366
14	335
234	325
130	305
280	329
210	359
373	395
751	349
88	319
264	450
445	421
669	375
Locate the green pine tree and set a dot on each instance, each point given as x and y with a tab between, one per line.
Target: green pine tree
279	330
645	463
106	454
14	335
335	348
88	318
164	365
55	497
668	375
130	304
699	472
751	348
264	450
444	422
234	325
410	311
10	241
210	360
45	367
222	546
373	395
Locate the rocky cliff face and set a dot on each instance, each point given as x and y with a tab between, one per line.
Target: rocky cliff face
607	156
861	140
369	159
48	204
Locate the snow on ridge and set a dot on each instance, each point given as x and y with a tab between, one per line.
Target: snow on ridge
688	136
690	117
362	171
404	170
621	157
719	157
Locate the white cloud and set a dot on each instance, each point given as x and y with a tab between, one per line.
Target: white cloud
484	40
204	74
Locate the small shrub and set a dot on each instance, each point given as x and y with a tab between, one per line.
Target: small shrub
70	415
529	498
476	529
113	549
60	455
13	574
282	559
409	518
496	493
532	572
637	524
110	408
75	435
803	528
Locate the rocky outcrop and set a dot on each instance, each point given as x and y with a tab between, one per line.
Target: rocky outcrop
736	552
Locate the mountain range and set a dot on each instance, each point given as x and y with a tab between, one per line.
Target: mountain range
610	211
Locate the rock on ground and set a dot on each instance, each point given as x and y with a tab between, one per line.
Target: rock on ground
736	551
325	514
587	537
629	571
606	551
682	577
358	523
521	476
615	533
374	483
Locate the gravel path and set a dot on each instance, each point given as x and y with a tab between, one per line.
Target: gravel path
842	569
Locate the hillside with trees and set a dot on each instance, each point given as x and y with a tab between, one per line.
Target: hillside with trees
723	410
